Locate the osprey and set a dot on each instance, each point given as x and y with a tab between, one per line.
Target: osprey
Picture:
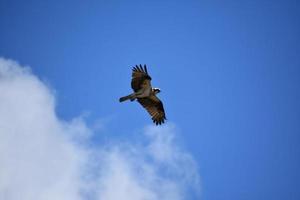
145	94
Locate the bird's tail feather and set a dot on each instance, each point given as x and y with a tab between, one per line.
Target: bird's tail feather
131	97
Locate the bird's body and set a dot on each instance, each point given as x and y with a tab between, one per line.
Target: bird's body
145	94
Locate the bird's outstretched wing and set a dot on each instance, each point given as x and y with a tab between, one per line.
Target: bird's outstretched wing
140	78
154	107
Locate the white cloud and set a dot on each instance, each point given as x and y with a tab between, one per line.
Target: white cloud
156	169
43	157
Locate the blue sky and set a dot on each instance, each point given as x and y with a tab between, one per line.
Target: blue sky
228	71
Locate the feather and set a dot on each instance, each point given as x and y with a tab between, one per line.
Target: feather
154	107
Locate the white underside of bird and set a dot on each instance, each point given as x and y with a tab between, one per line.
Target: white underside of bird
144	92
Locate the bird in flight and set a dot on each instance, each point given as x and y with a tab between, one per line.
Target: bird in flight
145	94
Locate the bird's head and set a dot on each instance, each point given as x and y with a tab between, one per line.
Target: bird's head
156	90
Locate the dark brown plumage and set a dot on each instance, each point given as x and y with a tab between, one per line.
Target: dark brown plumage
140	78
155	108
